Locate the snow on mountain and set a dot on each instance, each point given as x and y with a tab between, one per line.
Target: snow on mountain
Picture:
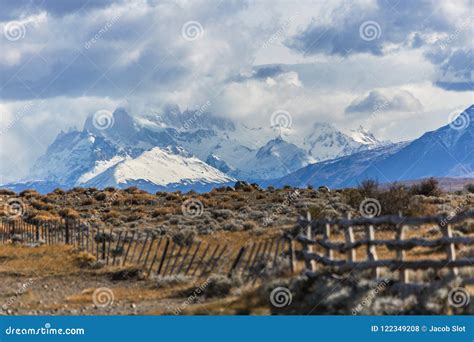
326	142
276	159
110	144
71	155
159	168
445	152
340	172
364	137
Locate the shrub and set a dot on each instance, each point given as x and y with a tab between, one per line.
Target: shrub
352	197
100	196
369	188
470	188
88	201
42	216
396	199
40	205
184	237
30	194
7	192
172	280
85	259
428	187
218	286
249	225
112	214
143	199
69	213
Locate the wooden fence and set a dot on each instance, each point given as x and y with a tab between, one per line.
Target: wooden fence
156	254
318	234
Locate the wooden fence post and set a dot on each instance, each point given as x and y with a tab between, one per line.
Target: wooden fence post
192	258
327	237
349	235
404	273
154	257
128	248
310	264
163	257
236	262
371	250
292	254
451	248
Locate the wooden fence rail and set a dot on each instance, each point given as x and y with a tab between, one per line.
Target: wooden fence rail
318	233
155	254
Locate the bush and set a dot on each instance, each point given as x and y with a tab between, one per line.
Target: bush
30	194
218	286
428	187
396	199
100	196
7	192
185	237
69	213
42	216
470	188
369	188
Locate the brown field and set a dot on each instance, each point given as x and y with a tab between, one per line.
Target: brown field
59	279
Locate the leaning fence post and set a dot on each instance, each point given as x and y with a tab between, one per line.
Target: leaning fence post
292	258
163	257
236	262
450	248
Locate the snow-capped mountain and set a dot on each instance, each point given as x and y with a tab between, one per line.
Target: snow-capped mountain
445	152
277	158
156	169
168	148
326	142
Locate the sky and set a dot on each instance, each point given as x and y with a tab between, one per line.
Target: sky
399	68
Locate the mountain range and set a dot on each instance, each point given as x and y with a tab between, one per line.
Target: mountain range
170	149
445	152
